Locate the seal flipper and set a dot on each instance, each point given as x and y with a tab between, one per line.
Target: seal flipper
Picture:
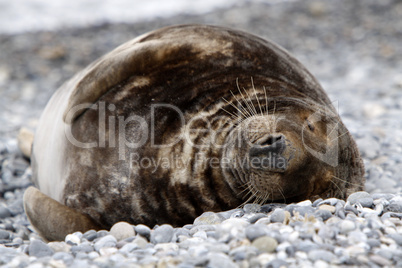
53	220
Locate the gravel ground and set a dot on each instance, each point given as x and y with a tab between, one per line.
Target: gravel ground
352	47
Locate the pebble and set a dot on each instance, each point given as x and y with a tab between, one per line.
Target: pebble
395	204
320	254
346	226
39	249
265	244
397	237
122	230
73	239
65	257
251	208
4	212
162	234
143	230
255	231
329	208
278	215
208	218
323	214
106	241
363	198
4	234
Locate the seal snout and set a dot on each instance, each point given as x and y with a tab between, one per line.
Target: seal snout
267	153
271	144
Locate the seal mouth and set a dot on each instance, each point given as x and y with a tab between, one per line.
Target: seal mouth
267	153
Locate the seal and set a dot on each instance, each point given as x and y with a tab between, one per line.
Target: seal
183	120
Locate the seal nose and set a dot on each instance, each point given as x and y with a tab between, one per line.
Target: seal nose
273	144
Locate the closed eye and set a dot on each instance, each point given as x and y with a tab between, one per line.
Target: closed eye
310	125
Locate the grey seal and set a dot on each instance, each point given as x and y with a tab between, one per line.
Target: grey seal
183	120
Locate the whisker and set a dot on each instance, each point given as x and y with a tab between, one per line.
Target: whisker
251	102
281	191
338	136
244	99
337	186
255	93
230	103
343	180
266	100
241	105
247	114
335	127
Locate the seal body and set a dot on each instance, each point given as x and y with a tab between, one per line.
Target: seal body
188	119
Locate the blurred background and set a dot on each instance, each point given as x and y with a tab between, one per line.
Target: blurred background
26	15
353	47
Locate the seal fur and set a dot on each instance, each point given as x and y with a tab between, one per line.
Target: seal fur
185	98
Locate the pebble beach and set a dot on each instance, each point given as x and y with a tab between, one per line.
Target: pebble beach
352	47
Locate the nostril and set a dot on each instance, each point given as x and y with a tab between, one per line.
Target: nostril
272	139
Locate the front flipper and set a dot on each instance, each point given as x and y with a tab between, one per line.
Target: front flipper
52	220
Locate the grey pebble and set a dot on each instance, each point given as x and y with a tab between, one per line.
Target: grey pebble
65	257
388	254
278	215
208	218
357	236
306	246
304	210
386	196
39	249
90	235
4	212
395	205
317	202
255	231
238	213
83	247
320	254
252	218
233	213
323	214
349	208
243	253
7	254
381	261
4	234
271	207
329	201
397	237
251	208
327	232
219	260
105	241
373	242
277	263
361	197
143	230
162	234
